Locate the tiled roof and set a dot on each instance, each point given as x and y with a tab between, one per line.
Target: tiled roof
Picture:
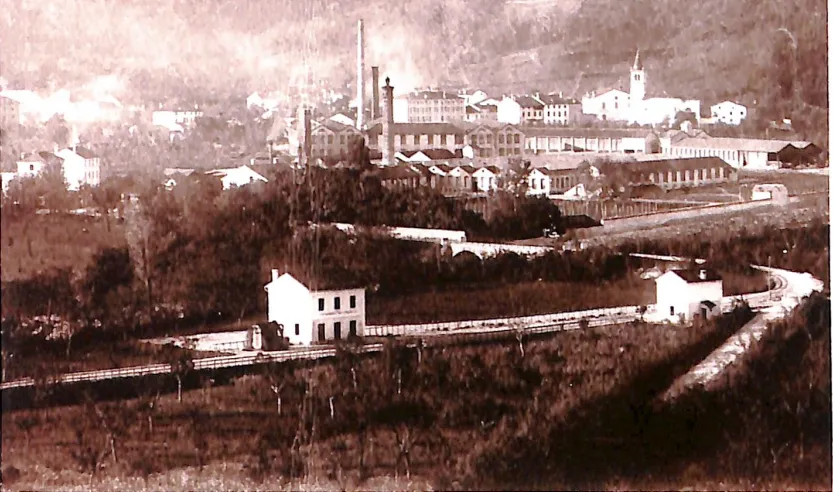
85	153
671	164
397	172
742	144
552	100
554	131
419	129
438	154
435	95
529	102
693	275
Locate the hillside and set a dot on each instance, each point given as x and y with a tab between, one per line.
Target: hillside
712	49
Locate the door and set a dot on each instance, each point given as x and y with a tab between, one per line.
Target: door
337	330
322	334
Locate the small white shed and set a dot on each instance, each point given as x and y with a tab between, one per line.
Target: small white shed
685	294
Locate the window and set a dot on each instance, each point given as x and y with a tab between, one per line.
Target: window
322	334
517	138
501	138
297	329
31	167
337	330
321	304
337	303
672	310
352	302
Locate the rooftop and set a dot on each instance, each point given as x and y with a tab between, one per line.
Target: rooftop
742	144
554	131
697	275
419	129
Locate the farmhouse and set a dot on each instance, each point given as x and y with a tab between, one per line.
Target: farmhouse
314	316
685	294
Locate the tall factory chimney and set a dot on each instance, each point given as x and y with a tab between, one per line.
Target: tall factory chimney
387	125
375	109
360	76
304	132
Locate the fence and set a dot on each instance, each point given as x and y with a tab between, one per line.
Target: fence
687	213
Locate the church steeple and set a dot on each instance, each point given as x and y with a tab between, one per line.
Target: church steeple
637	80
637	65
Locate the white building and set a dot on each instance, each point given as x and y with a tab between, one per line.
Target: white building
509	111
314	316
486	178
728	113
633	106
559	110
538	182
607	105
474	98
745	152
683	295
236	176
173	118
81	167
7	179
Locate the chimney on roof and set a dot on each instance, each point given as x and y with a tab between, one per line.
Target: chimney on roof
376	110
275	274
702	275
387	124
360	76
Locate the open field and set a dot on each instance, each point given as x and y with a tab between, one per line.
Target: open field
465	399
42	242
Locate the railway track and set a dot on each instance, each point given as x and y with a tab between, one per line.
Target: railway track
482	329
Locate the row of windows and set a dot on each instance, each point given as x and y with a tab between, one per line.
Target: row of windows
322	330
540	183
337	303
685	176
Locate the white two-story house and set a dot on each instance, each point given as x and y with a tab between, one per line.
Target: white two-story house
309	317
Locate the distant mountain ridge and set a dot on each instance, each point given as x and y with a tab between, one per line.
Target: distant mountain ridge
709	49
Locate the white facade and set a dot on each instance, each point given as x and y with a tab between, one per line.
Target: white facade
509	111
485	179
80	168
729	113
7	179
612	105
170	119
659	110
538	183
237	176
314	316
680	300
29	168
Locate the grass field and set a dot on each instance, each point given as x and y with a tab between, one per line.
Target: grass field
577	368
42	242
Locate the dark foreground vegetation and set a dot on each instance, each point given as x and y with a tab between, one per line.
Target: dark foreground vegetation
506	415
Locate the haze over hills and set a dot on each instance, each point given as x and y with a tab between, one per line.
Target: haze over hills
708	49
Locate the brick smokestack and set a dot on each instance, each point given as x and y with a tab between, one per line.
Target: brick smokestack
374	77
307	135
360	76
387	124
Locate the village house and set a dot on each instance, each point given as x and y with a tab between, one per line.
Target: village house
332	139
747	152
429	106
79	166
607	104
460	180
176	117
486	179
486	110
532	109
728	113
236	176
489	140
683	295
538	182
399	176
559	110
307	316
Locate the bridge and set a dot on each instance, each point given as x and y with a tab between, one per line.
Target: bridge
486	250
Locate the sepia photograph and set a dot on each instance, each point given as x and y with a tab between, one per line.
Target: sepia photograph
415	245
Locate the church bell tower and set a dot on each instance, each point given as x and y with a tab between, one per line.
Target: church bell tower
637	80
